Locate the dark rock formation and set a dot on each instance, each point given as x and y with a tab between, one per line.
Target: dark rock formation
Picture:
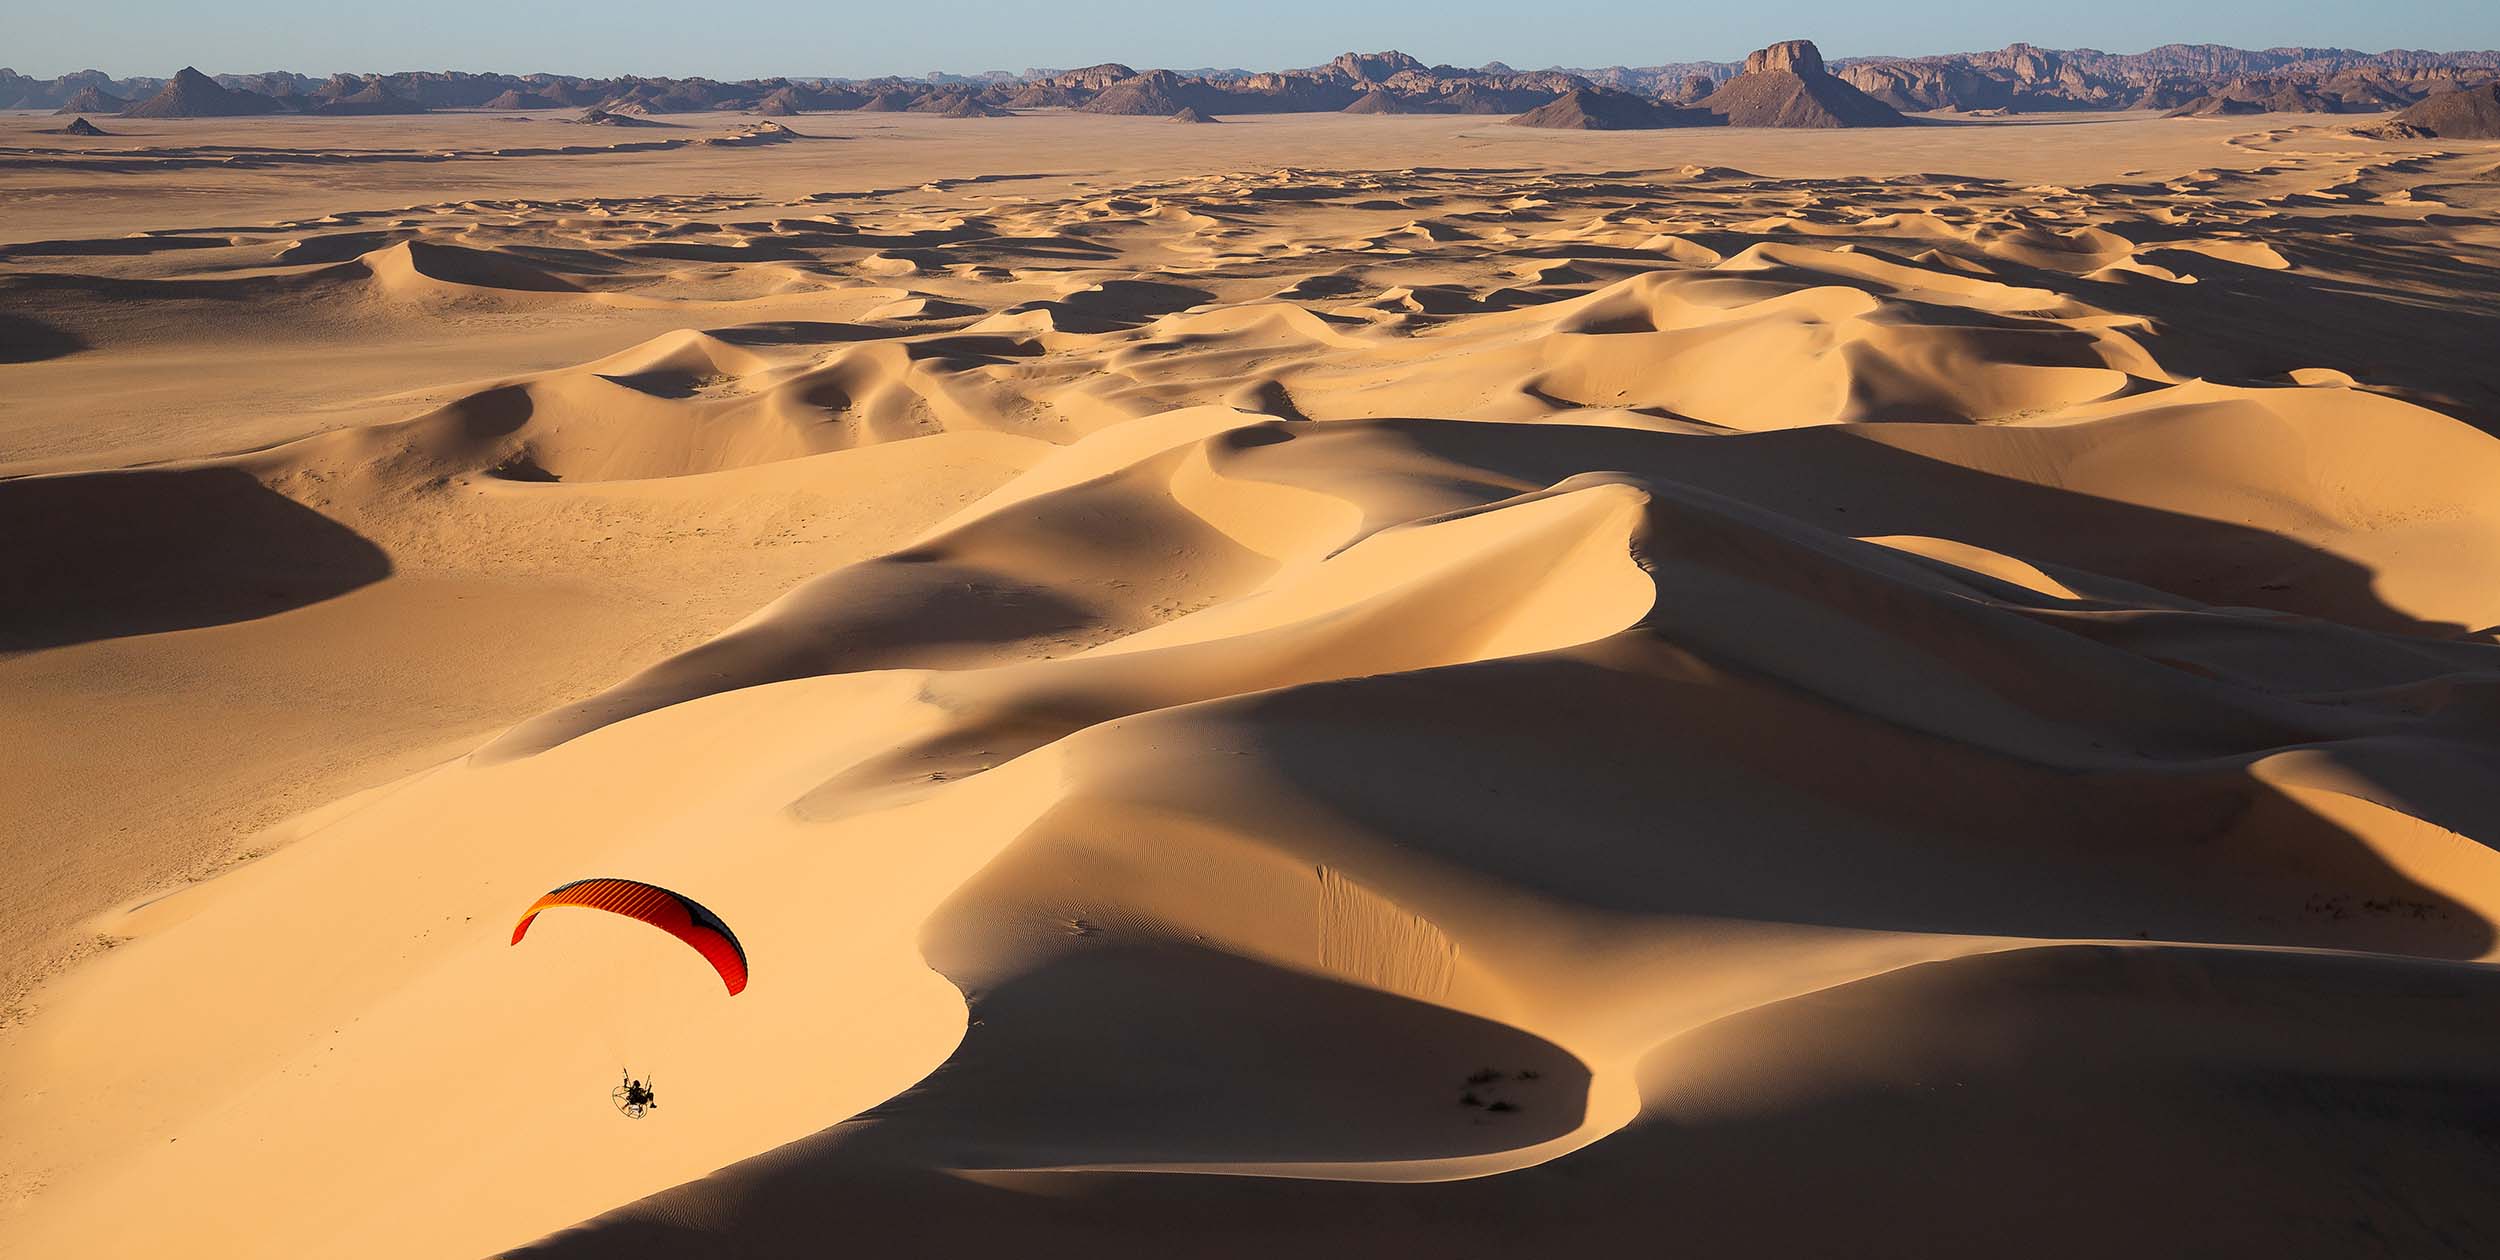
612	118
970	106
890	101
93	100
2026	78
1048	96
1603	109
1785	85
782	102
2466	114
1377	101
1377	67
1154	93
2204	77
1471	98
515	98
372	98
192	94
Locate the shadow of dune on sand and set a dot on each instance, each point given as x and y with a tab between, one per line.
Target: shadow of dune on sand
157	551
2137	1099
24	339
110	247
798	332
1897	479
1168	1053
2387	324
1111	305
1162	1054
1712	801
879	615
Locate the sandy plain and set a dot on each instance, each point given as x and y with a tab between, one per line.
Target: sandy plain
1352	684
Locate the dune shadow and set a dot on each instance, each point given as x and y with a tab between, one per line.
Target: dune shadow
2059	1102
1113	305
112	247
892	613
963	351
107	555
1849	480
664	383
798	332
1173	1053
2388	318
1744	816
24	339
1162	1054
332	247
2233	1102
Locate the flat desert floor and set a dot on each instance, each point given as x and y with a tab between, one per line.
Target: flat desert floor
1341	686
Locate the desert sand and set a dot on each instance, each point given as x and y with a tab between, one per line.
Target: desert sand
1334	684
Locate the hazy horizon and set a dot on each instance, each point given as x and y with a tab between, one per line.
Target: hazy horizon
646	38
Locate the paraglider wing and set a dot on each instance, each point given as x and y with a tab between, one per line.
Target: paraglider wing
681	917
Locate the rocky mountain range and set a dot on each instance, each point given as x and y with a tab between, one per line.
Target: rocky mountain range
2022	77
1784	85
2195	78
2469	114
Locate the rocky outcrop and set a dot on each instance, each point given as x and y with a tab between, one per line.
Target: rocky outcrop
1090	79
679	96
93	100
972	107
783	103
1047	96
890	101
1786	85
1908	85
2261	96
1377	67
943	101
2173	76
611	118
1603	109
1378	101
192	94
515	98
1471	98
372	98
2351	92
1791	56
2466	114
1293	92
1156	93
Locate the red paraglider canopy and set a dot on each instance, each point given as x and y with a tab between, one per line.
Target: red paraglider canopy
679	916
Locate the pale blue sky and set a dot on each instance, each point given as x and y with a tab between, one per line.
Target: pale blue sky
729	39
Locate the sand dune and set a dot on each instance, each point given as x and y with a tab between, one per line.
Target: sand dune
1364	706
